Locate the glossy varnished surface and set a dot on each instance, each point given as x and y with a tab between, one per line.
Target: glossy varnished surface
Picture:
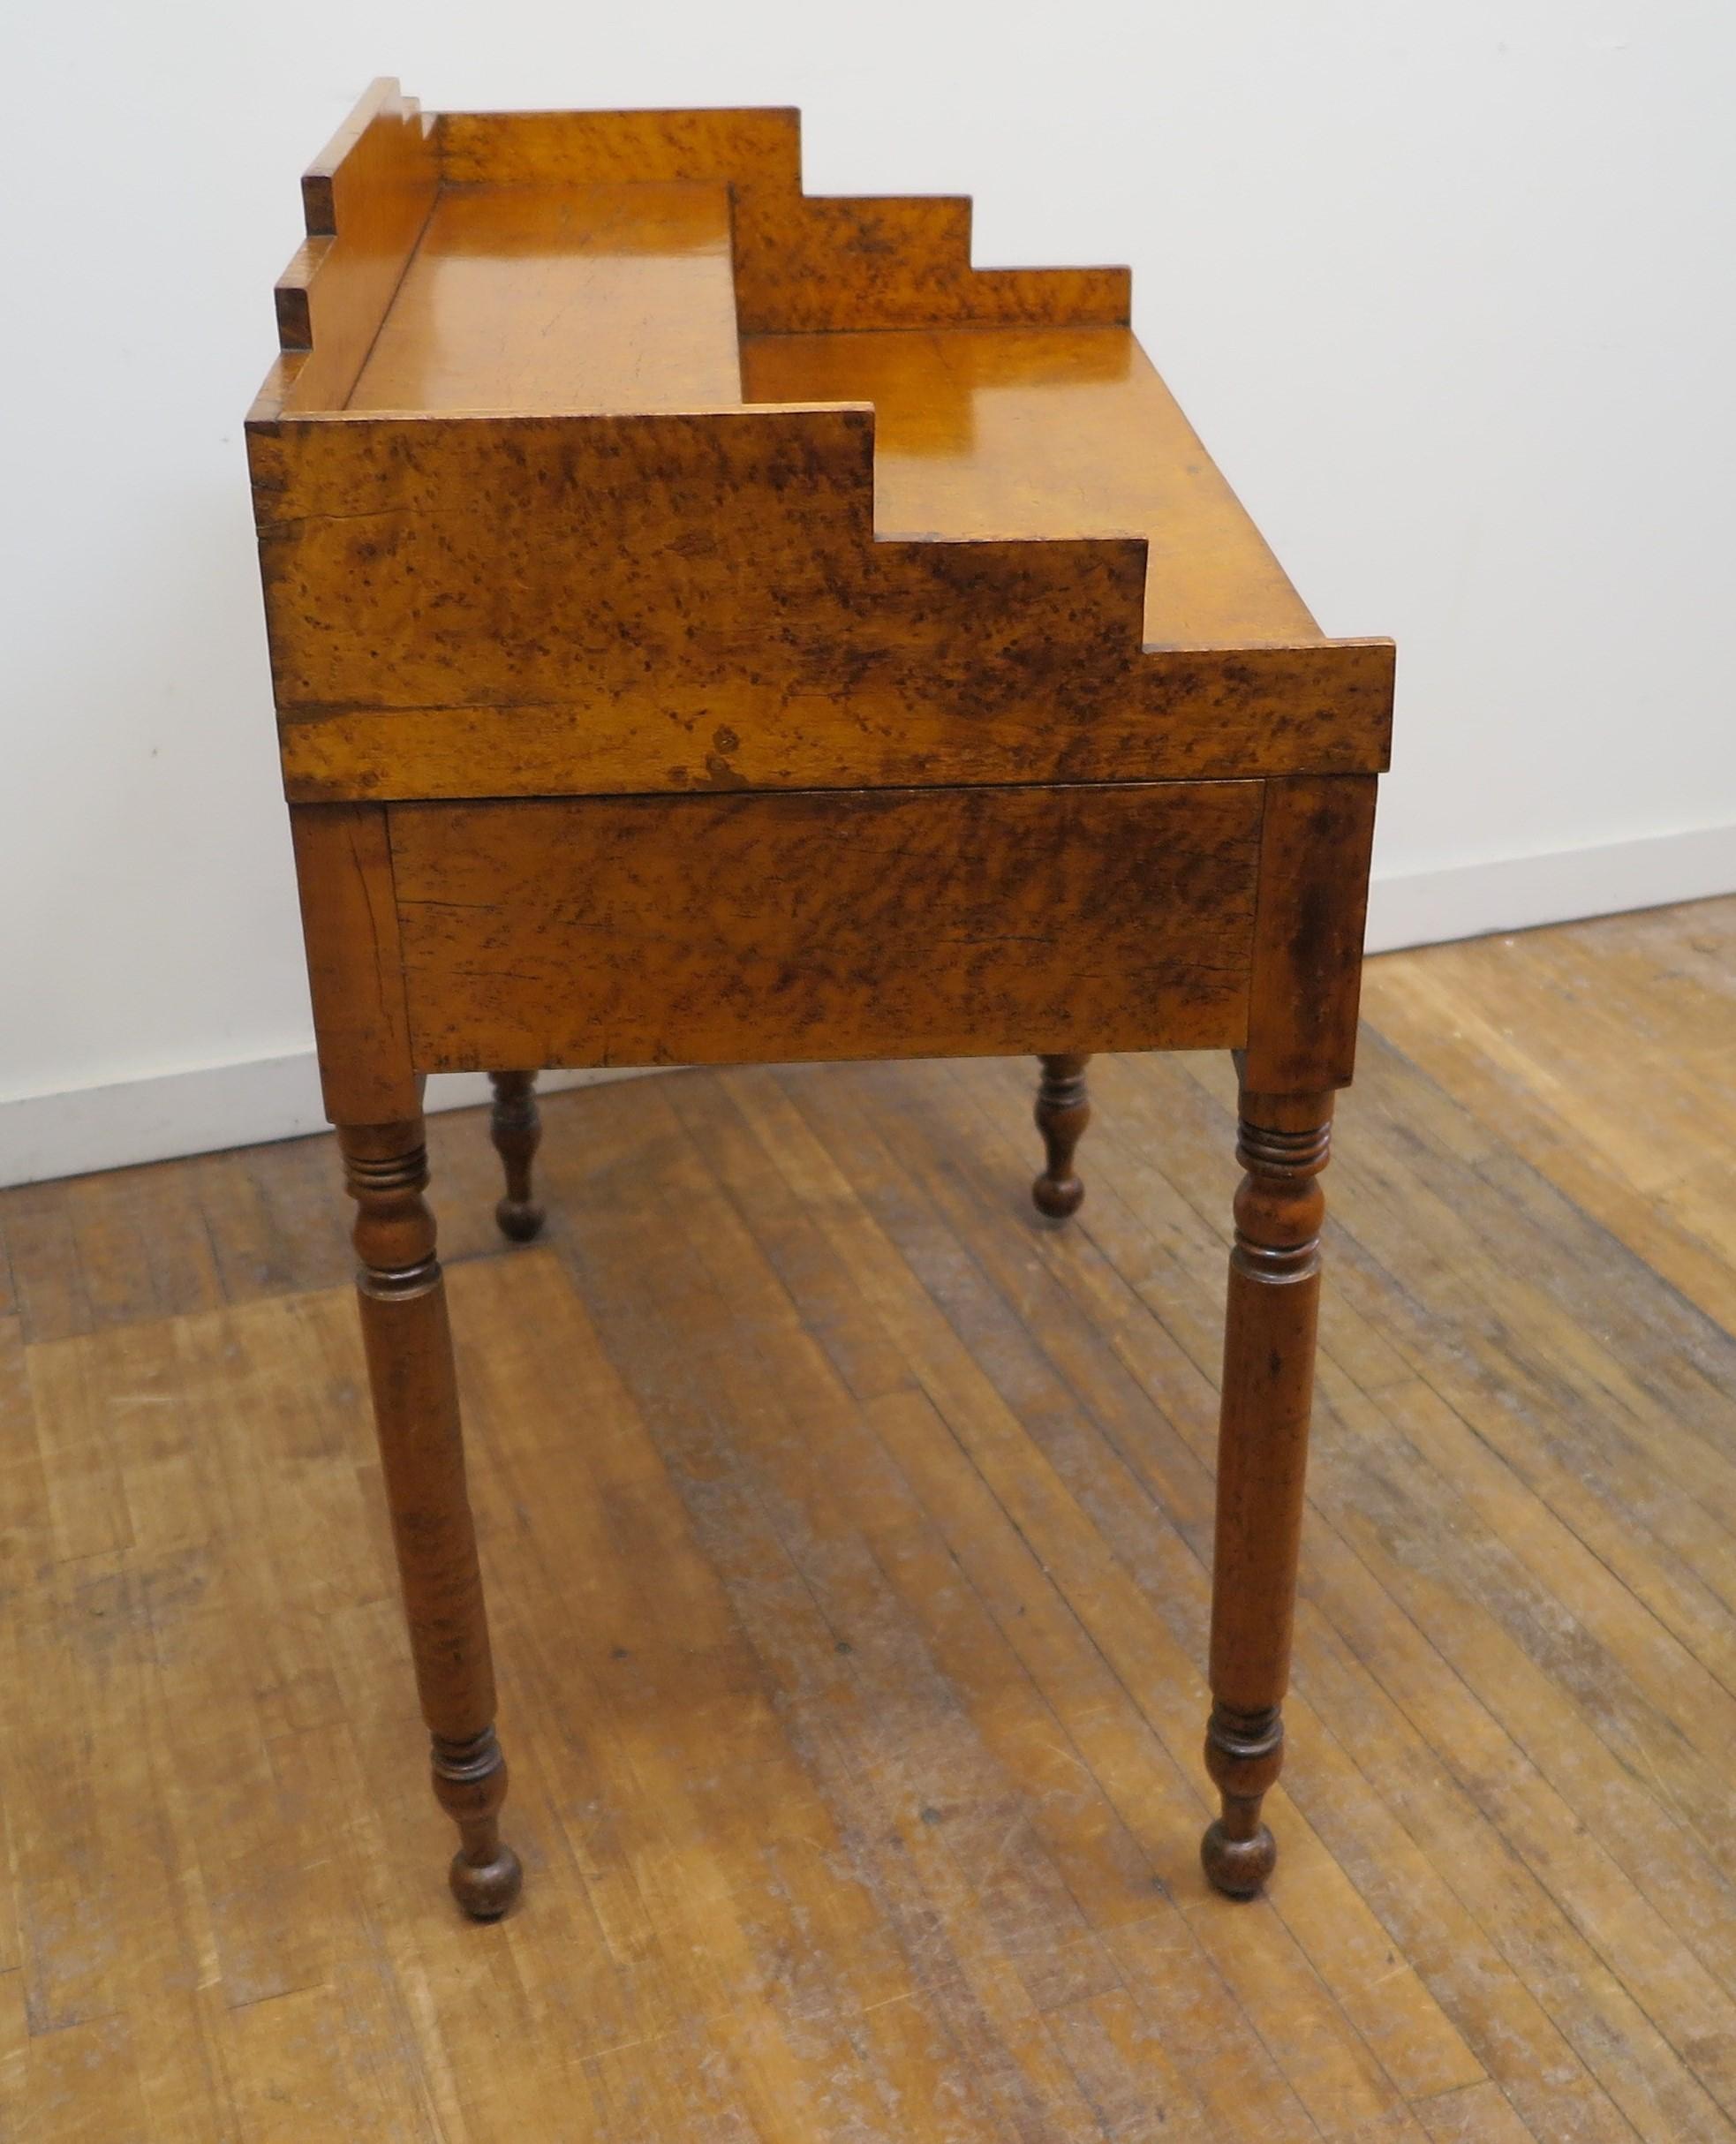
845	1530
803	261
365	199
686	600
1046	433
620	297
589	297
951	528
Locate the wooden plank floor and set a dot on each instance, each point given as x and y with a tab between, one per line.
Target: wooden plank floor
846	1533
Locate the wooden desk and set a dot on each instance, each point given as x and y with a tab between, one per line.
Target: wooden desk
710	623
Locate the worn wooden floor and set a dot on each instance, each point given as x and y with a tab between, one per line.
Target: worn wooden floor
846	1532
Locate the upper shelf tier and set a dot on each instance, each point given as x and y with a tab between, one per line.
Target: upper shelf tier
620	299
1057	431
547	273
598	453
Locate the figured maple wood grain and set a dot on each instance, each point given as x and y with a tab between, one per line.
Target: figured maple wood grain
590	298
355	976
655	931
364	200
801	262
552	605
514	564
1315	849
1045	433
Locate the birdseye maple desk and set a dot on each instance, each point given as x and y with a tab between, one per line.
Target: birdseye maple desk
710	623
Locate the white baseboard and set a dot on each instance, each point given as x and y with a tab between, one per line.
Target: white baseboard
1426	907
200	1112
277	1097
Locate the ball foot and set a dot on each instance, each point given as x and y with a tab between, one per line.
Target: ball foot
520	1218
485	1889
1237	1867
1058	1197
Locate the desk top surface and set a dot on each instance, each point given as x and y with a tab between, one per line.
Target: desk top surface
621	297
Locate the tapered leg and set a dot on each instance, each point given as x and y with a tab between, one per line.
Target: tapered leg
517	1130
1274	1292
1063	1110
409	1349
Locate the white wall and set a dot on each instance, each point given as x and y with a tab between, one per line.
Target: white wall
1447	289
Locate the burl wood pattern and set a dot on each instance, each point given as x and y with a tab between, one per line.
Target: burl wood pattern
355	962
475	324
802	262
522	605
926	923
409	1351
1274	1293
1063	1110
364	202
710	623
480	546
1317	839
515	1127
1044	433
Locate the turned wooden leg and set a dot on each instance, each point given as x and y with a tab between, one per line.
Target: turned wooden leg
1063	1110
409	1349
1274	1292
517	1130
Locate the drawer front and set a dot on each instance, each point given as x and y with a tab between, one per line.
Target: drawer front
801	925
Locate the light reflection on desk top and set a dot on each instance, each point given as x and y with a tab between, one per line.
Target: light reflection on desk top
621	299
563	299
1045	431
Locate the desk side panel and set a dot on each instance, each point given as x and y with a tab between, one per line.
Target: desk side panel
727	929
498	605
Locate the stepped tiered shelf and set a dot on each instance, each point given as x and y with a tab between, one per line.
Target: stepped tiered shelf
710	622
973	477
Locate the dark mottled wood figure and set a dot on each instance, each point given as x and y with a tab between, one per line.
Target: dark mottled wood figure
657	683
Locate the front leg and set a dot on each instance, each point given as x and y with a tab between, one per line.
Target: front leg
1274	1292
409	1349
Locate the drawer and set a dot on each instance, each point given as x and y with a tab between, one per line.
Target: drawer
802	925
